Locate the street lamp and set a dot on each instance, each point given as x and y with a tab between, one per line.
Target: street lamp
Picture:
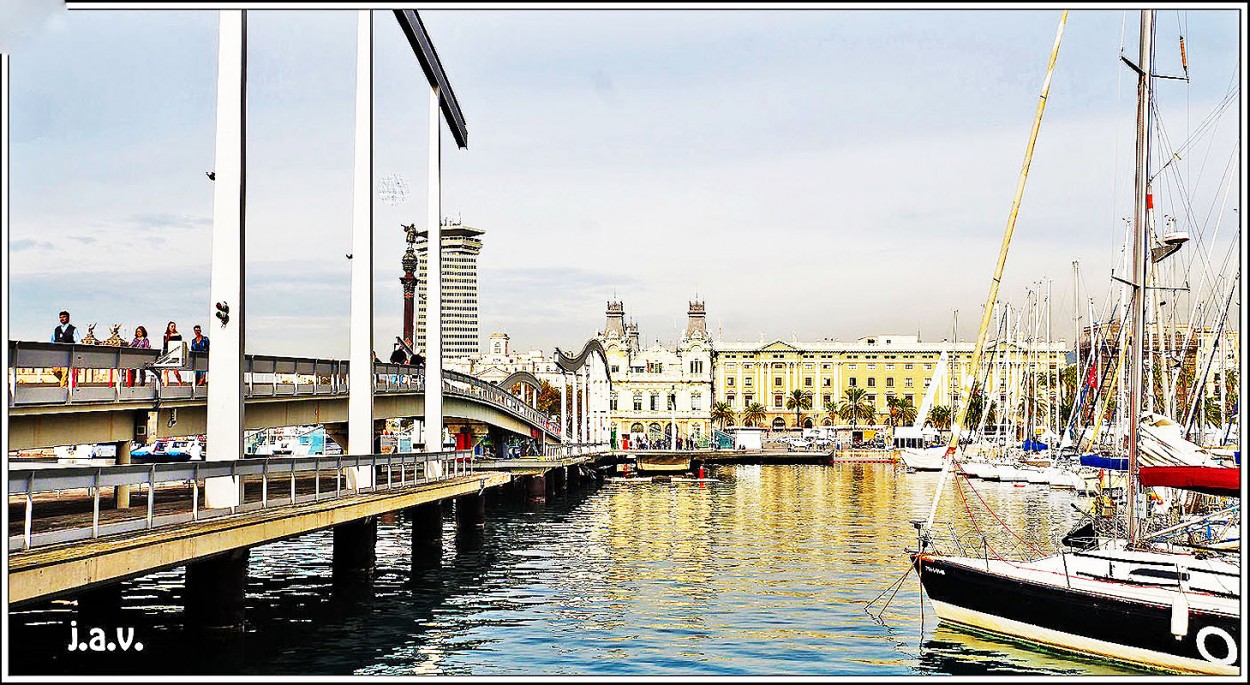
672	434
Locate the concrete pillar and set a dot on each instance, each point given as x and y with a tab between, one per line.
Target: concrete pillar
121	493
558	478
215	592
564	410
360	373
471	512
224	410
427	535
536	488
355	551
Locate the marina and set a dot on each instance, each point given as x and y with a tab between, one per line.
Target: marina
387	442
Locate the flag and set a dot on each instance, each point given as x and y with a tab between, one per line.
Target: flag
1092	378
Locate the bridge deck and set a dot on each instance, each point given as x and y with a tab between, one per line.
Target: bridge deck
60	569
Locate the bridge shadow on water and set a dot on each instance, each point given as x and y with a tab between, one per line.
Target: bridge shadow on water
298	621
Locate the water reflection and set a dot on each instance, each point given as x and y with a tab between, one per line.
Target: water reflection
765	573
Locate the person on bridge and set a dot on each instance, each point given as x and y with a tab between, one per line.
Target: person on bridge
199	344
141	341
398	356
172	337
64	333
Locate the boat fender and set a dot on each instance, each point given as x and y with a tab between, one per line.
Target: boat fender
1180	616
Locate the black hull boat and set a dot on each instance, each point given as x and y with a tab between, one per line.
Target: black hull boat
1164	611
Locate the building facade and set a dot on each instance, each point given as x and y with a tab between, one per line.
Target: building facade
658	389
500	361
881	365
461	246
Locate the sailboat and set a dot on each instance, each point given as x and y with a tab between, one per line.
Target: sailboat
1127	595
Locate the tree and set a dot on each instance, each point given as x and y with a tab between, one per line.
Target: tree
856	406
753	414
901	410
548	399
940	417
798	401
833	409
722	413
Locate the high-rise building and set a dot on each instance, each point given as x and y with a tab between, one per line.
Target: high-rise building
461	246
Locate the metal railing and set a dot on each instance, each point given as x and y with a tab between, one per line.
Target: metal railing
103	374
558	452
389	471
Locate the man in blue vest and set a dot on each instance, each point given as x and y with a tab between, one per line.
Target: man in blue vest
64	333
199	343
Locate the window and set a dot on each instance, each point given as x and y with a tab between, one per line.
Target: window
852	382
807	382
872	382
696	401
731	365
776	400
889	382
637	401
826	366
926	383
777	381
928	367
910	398
909	382
852	366
729	399
613	403
747	382
747	399
616	368
826	382
872	398
909	367
809	366
655	401
696	366
729	382
889	367
825	399
872	366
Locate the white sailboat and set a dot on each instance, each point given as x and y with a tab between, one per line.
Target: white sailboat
1132	598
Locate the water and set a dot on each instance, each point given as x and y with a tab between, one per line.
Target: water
766	573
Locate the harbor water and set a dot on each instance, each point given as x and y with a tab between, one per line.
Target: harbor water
766	572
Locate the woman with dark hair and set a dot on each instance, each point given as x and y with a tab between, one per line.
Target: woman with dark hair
141	341
172	337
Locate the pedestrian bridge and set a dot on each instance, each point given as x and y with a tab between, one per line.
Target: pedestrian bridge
96	404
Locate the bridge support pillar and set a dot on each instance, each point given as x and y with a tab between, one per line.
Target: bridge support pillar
355	553
427	535
121	493
471	513
536	488
215	592
558	478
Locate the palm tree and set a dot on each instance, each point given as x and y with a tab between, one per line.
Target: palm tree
833	409
753	414
901	410
722	413
940	417
798	401
856	406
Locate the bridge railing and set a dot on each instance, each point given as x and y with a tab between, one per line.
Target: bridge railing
557	452
98	373
389	471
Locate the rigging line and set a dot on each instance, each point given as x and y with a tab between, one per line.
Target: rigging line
1189	213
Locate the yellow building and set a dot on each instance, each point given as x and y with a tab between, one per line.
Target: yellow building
882	365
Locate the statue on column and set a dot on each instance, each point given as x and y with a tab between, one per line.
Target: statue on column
411	230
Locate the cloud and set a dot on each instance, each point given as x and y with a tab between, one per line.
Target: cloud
167	220
23	244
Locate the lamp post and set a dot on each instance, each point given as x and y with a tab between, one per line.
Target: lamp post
672	431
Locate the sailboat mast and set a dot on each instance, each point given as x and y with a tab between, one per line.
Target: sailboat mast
987	312
1143	202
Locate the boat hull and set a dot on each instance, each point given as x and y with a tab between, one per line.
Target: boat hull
1137	632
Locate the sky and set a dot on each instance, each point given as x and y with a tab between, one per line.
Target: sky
807	173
